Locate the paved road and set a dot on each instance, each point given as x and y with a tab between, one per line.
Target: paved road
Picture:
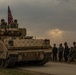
54	68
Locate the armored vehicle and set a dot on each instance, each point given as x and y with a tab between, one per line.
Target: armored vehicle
16	46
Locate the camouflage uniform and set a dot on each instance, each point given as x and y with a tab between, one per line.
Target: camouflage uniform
72	55
3	24
60	54
54	51
74	52
66	51
14	24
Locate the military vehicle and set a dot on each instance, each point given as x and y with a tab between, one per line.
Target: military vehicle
16	46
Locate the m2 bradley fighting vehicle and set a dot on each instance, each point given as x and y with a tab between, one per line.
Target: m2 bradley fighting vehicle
16	46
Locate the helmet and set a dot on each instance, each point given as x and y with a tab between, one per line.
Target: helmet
2	20
74	43
60	44
65	43
15	20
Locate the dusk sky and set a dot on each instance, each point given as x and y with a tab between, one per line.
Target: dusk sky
52	19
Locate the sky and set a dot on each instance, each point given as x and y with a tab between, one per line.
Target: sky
44	19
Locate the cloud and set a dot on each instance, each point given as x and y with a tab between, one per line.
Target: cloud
59	36
55	32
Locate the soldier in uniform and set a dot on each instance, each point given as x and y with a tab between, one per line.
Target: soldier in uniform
3	24
72	55
54	51
66	51
60	54
74	50
14	24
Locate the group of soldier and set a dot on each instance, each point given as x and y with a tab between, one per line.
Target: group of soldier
4	24
64	53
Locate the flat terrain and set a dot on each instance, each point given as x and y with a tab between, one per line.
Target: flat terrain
17	72
12	72
53	68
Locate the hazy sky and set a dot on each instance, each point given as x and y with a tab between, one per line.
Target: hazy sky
53	19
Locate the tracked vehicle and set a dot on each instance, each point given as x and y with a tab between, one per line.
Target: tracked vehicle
16	46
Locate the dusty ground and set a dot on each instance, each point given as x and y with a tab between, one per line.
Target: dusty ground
34	72
53	68
14	71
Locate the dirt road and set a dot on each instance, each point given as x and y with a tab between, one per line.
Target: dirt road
54	68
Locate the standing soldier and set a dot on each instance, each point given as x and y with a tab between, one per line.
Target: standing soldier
3	24
74	50
54	51
14	24
72	56
66	51
60	52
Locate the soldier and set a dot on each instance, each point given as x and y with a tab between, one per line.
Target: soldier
72	56
3	24
74	50
60	52
66	51
54	51
14	24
